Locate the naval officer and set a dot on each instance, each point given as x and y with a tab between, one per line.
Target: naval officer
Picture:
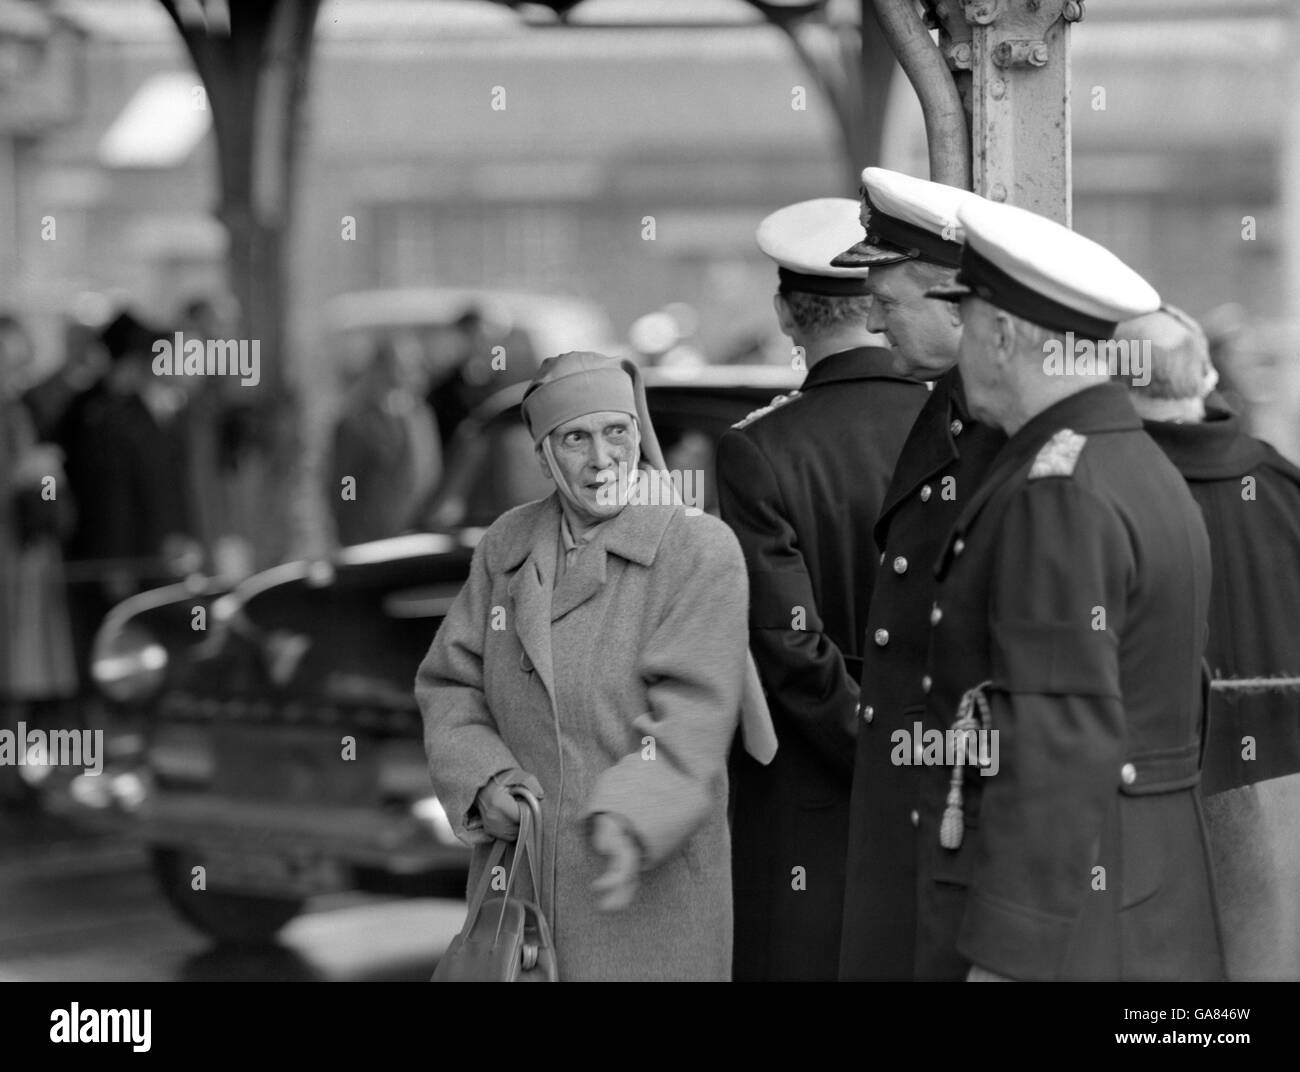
801	483
913	242
1070	622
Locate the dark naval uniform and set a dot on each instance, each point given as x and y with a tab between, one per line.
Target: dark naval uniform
801	483
942	463
1250	496
1071	619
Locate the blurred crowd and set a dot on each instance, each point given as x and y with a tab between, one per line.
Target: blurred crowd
115	479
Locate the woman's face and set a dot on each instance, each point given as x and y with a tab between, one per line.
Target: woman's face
596	454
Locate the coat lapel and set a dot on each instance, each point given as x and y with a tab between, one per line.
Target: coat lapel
929	449
530	590
634	535
535	599
582	580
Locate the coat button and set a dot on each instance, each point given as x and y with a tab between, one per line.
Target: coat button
868	713
900	565
958	546
927	683
1128	773
926	493
936	614
882	637
955	428
916	817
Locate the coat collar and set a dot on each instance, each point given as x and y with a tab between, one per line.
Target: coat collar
635	534
931	446
1216	448
530	548
860	363
1104	408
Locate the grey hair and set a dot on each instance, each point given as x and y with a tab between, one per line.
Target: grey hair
1180	353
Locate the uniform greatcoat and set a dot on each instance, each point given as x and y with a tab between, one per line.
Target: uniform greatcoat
618	687
1073	596
802	484
938	471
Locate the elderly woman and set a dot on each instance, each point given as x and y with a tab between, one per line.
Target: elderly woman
597	654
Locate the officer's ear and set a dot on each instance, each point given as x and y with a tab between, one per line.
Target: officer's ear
784	314
1004	337
546	466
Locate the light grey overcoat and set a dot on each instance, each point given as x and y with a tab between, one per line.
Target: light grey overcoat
619	690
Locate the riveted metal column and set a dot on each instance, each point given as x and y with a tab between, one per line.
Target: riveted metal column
1020	102
1289	168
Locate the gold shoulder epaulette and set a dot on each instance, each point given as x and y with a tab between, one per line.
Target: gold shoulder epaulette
1059	455
778	401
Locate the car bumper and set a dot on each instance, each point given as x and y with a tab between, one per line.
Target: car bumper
361	837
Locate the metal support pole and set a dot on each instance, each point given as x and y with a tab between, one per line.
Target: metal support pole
1289	171
1020	90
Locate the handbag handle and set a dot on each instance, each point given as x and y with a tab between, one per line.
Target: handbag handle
530	837
528	843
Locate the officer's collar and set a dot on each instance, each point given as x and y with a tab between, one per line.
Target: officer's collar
859	363
931	445
1215	448
1104	408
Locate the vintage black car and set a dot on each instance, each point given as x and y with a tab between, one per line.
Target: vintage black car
284	756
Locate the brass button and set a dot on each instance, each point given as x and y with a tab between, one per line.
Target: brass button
900	565
955	427
936	614
1128	773
958	546
868	713
916	817
882	637
926	493
927	683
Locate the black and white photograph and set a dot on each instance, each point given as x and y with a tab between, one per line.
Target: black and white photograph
663	491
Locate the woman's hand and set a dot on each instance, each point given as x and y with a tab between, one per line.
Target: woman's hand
499	812
612	839
497	806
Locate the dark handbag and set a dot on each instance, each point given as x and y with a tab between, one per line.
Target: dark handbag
505	938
